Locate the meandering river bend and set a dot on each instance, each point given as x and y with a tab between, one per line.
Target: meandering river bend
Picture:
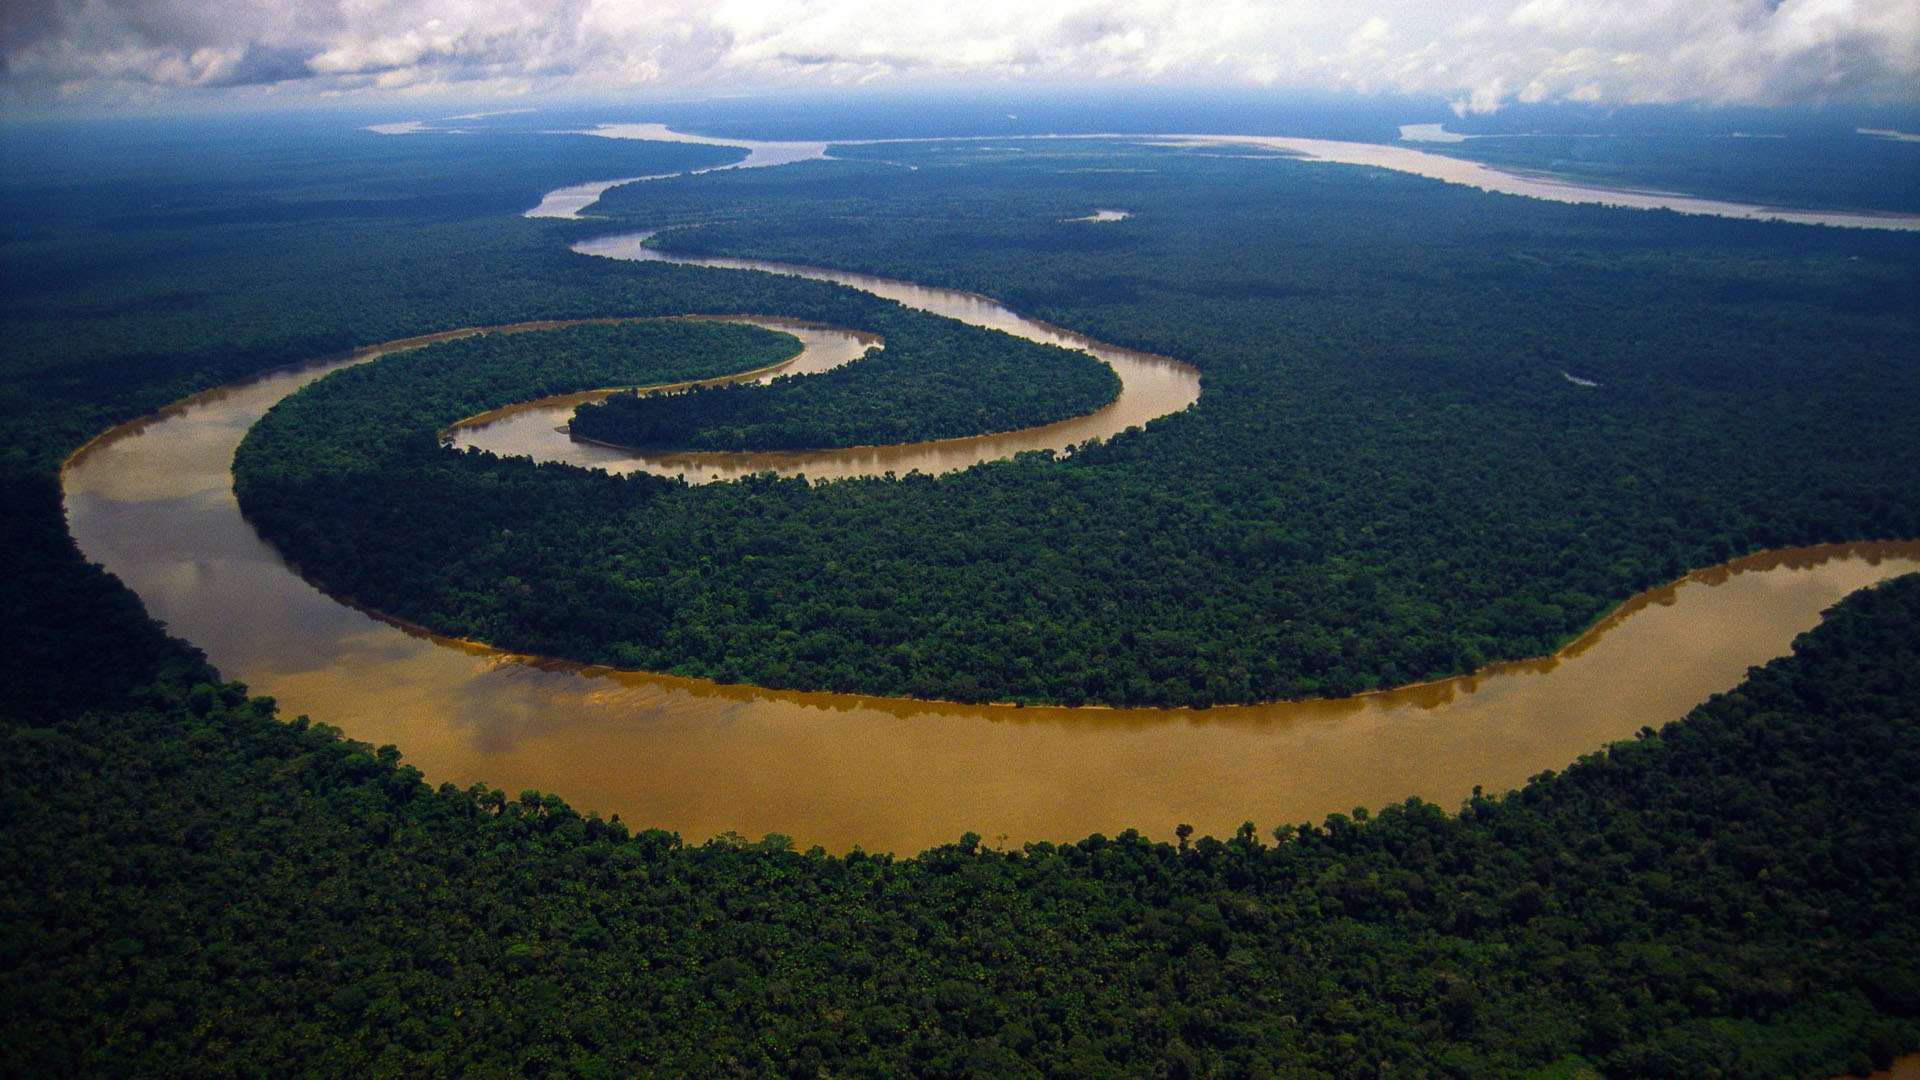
153	502
1150	387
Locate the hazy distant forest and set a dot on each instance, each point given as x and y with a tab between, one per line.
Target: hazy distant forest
1388	450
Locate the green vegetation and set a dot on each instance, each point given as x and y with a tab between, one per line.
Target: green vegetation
937	388
197	887
1386	452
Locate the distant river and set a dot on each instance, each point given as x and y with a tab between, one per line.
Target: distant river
1331	151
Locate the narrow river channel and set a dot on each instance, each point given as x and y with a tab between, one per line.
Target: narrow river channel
1150	387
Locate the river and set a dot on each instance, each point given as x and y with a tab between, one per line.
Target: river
153	502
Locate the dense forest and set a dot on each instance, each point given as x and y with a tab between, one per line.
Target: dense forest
931	385
1393	474
197	885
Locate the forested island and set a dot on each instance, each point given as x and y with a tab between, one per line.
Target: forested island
200	884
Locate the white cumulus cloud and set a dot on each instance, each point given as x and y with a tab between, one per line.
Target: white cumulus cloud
1478	55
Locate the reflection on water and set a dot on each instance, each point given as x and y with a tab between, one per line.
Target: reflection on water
153	502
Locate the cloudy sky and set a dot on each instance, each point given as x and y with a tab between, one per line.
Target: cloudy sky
1478	54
